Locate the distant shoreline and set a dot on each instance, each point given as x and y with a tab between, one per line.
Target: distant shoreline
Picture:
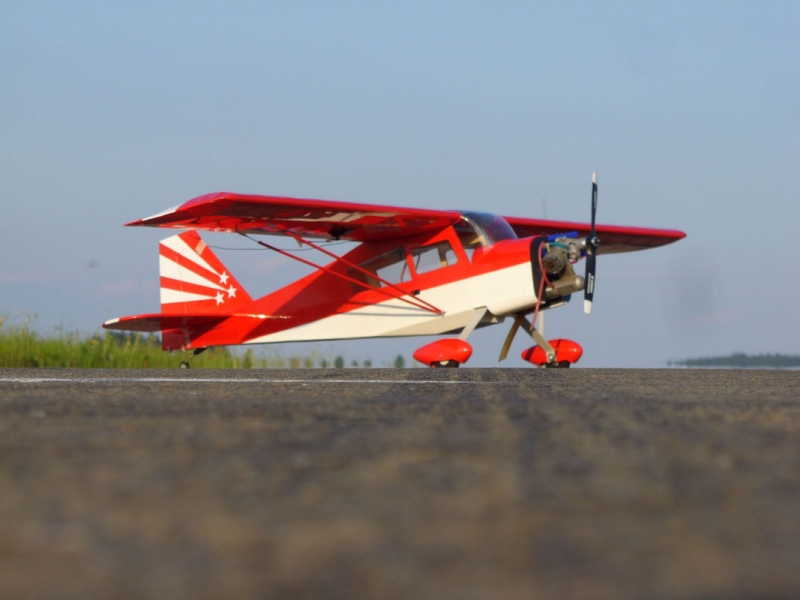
740	360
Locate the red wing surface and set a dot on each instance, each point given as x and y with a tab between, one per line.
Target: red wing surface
229	212
613	238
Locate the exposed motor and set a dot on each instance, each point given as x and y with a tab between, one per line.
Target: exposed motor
557	263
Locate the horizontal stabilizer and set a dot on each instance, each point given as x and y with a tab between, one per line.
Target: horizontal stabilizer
156	323
178	332
198	330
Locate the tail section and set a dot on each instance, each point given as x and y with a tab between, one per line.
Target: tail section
193	280
198	299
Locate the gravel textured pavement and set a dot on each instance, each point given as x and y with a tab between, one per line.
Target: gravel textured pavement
402	483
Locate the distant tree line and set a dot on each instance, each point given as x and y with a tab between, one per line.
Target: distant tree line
742	360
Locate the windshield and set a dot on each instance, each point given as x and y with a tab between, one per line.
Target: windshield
488	228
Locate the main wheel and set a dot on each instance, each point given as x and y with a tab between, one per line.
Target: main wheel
185	364
564	364
446	364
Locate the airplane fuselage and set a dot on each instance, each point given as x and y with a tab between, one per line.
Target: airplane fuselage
326	306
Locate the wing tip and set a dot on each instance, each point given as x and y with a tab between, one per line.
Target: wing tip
154	219
110	323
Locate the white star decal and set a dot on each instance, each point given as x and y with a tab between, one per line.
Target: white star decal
223	279
220	298
232	292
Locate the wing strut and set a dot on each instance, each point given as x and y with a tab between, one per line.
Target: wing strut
301	240
417	303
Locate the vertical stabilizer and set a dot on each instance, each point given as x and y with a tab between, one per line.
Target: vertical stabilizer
193	280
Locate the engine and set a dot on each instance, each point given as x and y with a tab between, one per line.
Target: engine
557	257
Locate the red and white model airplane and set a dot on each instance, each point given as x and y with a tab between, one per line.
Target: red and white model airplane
414	272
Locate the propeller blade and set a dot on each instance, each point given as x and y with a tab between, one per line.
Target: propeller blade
510	338
594	203
588	293
591	253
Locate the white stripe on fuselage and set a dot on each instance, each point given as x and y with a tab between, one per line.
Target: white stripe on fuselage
503	292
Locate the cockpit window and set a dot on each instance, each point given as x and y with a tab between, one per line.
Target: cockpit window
390	266
469	238
435	256
478	229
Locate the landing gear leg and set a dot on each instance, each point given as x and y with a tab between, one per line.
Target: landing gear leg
195	352
549	351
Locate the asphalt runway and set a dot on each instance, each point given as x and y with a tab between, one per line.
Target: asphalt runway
402	483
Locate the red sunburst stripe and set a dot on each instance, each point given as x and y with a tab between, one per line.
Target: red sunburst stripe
186	263
184	286
192	239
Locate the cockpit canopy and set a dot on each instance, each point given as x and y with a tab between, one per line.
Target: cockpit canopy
480	229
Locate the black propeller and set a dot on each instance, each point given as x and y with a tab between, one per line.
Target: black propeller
591	253
592	243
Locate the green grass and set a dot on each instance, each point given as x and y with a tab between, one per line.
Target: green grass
22	346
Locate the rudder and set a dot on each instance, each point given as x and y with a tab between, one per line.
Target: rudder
193	280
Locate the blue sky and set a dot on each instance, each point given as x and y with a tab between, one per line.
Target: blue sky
689	112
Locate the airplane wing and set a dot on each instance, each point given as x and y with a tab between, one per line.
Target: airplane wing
613	238
225	211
